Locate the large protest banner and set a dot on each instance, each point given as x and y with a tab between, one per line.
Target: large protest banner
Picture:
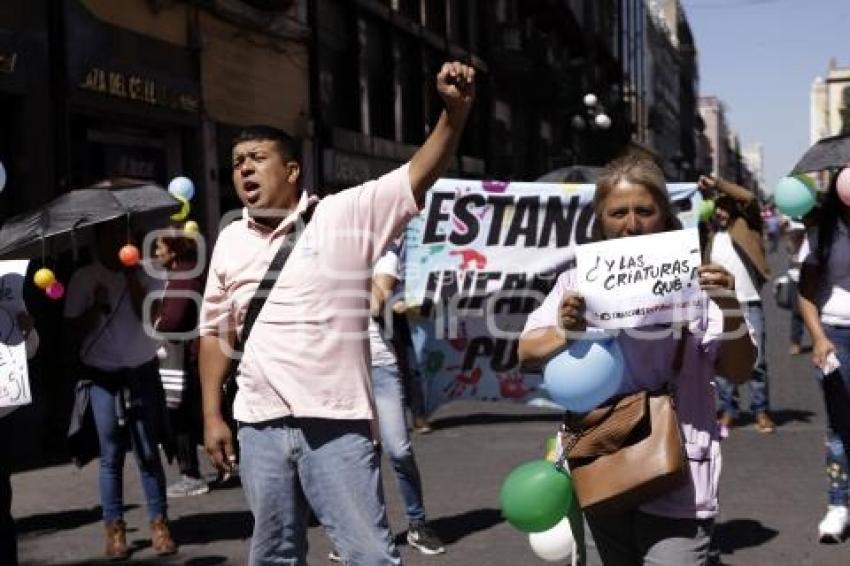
14	377
480	257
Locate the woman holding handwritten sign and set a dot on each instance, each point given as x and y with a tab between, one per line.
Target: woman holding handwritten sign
675	528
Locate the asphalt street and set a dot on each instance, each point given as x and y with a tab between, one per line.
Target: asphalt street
772	492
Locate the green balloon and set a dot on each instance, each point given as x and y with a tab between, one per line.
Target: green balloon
535	496
706	210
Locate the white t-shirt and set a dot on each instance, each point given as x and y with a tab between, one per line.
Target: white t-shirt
833	295
723	253
802	254
119	339
382	351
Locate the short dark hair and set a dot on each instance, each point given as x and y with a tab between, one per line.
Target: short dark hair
287	146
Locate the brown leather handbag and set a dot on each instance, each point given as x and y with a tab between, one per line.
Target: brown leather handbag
628	451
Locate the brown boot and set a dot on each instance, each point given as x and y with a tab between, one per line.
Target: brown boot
116	540
764	423
161	537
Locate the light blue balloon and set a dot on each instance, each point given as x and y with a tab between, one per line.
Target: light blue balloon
793	197
182	187
585	374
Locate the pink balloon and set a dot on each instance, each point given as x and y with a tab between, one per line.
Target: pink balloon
842	185
55	290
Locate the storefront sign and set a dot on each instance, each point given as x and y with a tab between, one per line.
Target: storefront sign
137	88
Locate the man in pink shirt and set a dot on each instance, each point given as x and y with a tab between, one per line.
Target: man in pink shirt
304	404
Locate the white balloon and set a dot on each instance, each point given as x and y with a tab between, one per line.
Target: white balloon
182	187
556	544
2	177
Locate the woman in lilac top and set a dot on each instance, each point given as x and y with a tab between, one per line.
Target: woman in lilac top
675	529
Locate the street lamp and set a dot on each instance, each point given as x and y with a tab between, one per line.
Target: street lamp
593	115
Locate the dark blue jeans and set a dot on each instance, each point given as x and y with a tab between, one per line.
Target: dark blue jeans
139	430
836	393
796	317
759	392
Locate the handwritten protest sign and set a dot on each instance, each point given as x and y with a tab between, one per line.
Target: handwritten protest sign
642	280
14	379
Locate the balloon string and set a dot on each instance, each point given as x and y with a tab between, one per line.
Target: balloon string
75	252
128	227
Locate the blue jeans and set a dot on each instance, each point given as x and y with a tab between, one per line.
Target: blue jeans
836	390
389	402
333	465
759	393
139	430
796	317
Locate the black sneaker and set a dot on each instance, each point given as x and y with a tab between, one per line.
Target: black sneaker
227	480
421	537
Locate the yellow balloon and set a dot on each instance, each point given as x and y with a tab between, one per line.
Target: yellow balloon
551	449
184	209
43	278
191	227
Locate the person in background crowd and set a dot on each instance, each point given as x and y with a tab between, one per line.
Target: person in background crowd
825	307
797	248
388	390
177	313
8	536
410	376
772	227
389	404
736	243
103	306
304	403
674	529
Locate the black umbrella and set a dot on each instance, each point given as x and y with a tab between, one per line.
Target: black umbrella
828	153
61	224
571	174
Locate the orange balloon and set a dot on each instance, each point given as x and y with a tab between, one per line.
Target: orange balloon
129	255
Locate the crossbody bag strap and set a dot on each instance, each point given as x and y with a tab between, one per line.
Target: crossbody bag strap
678	360
267	282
